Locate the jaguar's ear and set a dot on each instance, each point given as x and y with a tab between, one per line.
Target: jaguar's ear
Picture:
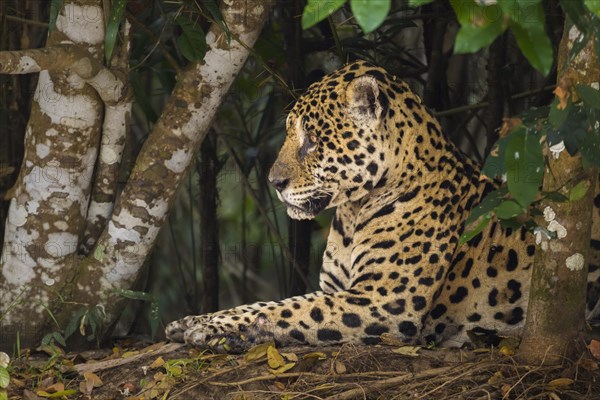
362	100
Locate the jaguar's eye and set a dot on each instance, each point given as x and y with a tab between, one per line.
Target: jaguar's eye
309	145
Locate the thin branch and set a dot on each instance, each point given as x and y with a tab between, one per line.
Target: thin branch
484	104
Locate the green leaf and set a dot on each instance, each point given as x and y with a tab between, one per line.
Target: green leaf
4	378
370	13
471	234
3	395
508	209
317	10
524	164
418	3
593	6
589	145
494	163
471	39
488	204
192	42
589	95
117	12
578	191
59	339
55	7
555	196
527	23
480	26
557	116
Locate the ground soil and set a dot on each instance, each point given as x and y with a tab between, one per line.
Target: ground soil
168	371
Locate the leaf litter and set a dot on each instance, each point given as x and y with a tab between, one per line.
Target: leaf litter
389	370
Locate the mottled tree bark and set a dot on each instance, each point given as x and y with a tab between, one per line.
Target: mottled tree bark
49	200
163	162
558	286
41	271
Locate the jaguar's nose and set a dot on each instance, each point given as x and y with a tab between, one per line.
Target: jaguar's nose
279	183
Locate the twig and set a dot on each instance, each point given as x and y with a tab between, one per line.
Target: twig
108	364
386	383
268	378
484	104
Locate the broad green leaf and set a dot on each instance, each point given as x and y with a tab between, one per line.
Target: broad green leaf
317	10
59	338
471	39
527	23
594	6
555	196
508	209
579	190
488	204
589	146
418	3
524	164
480	25
4	378
557	116
370	13
476	231
589	95
192	42
494	163
3	395
117	12
55	7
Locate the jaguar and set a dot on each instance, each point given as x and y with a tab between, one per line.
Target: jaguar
361	141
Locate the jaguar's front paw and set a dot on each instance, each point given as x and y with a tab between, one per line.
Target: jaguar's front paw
227	338
176	330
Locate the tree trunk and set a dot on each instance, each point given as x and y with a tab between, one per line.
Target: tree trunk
300	231
209	232
48	202
63	137
557	297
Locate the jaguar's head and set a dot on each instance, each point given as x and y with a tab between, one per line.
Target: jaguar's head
334	151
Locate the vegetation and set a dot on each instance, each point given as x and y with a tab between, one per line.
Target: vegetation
480	66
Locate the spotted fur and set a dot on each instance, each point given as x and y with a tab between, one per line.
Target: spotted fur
362	141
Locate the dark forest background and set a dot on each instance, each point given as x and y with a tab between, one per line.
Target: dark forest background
228	240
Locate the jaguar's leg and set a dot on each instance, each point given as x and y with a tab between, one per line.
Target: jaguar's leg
316	318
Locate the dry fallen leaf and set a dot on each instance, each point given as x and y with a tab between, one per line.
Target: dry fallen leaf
410	351
588	364
594	347
159	362
274	359
316	354
560	382
257	352
339	367
562	96
508	124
